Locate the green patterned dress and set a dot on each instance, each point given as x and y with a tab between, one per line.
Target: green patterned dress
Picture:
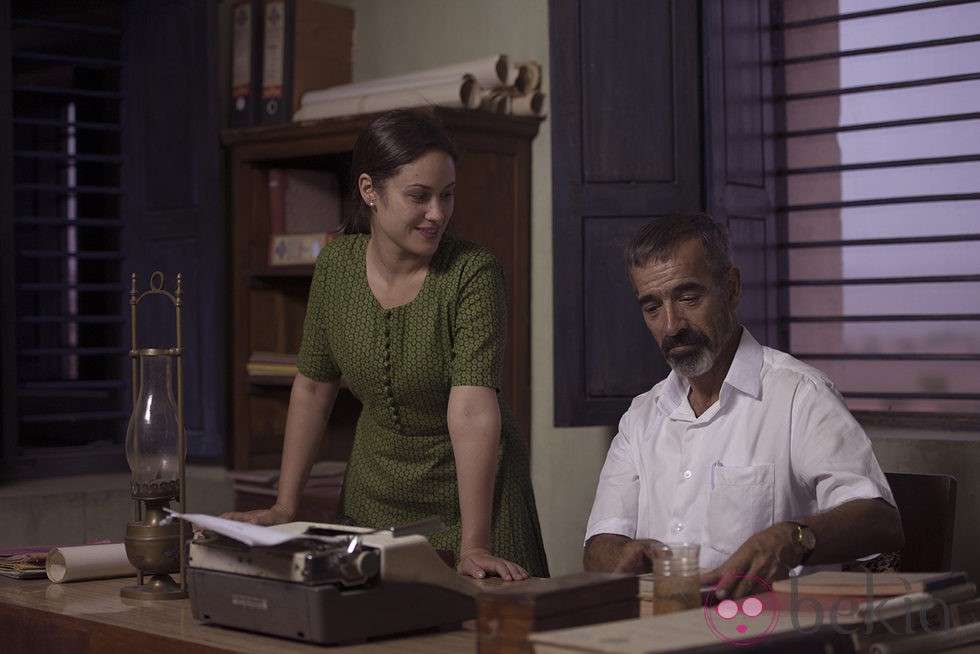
401	364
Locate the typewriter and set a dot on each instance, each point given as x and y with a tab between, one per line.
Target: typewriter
327	584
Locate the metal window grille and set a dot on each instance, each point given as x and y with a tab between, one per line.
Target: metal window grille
879	108
69	297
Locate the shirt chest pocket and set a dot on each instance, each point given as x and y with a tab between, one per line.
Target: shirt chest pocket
740	504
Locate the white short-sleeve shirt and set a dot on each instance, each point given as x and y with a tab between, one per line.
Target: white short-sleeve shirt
779	444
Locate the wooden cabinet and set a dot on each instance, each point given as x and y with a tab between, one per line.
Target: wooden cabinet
269	303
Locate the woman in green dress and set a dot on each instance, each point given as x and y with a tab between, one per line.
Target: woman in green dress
414	320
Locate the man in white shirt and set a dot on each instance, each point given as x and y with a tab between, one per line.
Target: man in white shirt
743	448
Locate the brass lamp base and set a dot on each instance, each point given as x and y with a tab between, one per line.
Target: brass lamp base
153	547
159	587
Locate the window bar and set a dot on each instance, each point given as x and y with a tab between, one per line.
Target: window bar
919	317
875	165
861	127
888	86
883	11
884	356
897	240
859	281
910	199
71	244
882	49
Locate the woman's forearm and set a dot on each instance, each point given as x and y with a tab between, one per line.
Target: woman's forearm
474	429
310	405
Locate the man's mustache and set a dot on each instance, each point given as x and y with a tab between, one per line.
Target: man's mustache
686	337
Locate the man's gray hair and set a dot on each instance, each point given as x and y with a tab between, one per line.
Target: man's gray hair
658	239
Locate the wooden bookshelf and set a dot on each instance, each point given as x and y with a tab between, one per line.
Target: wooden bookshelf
269	302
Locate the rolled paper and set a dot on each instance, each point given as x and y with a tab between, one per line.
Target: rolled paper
451	94
81	562
489	71
498	103
527	78
494	84
470	93
528	105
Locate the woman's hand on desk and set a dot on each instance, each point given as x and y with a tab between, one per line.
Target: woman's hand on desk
479	562
263	517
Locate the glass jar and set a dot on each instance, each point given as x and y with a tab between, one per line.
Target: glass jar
676	577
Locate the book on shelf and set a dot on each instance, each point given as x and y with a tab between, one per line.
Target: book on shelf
272	364
246	51
306	45
304	214
297	249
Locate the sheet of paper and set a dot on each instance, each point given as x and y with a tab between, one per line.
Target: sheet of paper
241	531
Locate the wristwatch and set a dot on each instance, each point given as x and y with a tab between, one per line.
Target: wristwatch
804	536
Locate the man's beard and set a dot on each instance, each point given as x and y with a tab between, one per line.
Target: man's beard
695	363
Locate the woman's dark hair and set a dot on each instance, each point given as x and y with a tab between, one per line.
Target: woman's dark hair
658	239
392	140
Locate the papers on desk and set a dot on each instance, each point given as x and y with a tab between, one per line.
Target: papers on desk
99	560
24	565
243	532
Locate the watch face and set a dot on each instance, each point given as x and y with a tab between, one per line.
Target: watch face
806	537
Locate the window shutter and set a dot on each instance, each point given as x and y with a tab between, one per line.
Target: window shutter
65	311
881	215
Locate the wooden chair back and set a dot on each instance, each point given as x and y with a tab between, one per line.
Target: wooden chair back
927	504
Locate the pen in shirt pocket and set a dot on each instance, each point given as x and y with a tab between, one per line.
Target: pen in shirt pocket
716	464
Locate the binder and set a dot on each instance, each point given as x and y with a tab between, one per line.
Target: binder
246	55
306	45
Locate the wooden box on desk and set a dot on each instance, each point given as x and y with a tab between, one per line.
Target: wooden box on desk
508	614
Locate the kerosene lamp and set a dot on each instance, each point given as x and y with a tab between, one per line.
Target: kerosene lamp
155	450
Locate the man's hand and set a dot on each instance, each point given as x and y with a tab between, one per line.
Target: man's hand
845	533
768	555
616	553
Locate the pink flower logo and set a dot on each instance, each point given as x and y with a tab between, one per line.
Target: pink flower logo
747	620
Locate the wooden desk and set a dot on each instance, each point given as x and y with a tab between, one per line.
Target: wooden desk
90	616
